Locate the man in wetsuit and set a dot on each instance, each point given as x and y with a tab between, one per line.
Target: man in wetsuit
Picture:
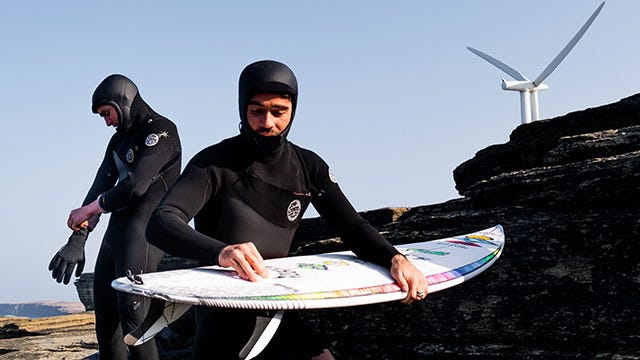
142	160
247	195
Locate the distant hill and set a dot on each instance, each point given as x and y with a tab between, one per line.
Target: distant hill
40	309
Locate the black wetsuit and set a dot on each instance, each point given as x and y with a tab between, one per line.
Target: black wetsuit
237	194
142	160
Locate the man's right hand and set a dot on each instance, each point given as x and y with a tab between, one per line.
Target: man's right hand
69	256
245	259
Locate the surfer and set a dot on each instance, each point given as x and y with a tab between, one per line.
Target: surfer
247	195
142	159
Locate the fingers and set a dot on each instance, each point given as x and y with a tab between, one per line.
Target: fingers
54	262
80	268
416	293
67	273
78	218
77	225
245	259
59	270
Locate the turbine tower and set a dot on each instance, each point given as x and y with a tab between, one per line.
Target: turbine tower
529	89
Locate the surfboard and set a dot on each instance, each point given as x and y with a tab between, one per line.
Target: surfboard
328	280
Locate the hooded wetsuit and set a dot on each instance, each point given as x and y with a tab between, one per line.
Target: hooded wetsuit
251	188
142	160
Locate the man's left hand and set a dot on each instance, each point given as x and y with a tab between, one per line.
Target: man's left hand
409	278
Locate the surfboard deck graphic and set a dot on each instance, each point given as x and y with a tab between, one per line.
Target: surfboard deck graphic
313	281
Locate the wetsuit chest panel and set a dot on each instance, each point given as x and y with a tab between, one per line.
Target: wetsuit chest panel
280	206
121	166
241	223
125	154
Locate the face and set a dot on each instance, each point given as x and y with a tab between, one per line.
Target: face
109	114
269	114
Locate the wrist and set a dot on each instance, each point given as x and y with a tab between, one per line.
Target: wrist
97	205
398	258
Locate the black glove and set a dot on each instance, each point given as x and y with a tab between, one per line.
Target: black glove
70	255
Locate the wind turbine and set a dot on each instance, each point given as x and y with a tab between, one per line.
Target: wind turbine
529	89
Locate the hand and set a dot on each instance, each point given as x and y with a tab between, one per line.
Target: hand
83	216
70	255
409	278
245	259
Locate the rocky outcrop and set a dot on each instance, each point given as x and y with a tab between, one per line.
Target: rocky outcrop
599	144
40	309
567	192
50	338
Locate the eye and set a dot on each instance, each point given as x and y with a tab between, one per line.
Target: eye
278	112
105	113
257	111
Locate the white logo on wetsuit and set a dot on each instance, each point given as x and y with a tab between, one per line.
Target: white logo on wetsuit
151	140
130	156
332	177
294	210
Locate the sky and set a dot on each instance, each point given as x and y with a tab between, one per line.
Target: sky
389	95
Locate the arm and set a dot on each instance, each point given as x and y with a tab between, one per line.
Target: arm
168	226
150	162
158	148
104	180
363	239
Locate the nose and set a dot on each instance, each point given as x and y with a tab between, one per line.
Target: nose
267	120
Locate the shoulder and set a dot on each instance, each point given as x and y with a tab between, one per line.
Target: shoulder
159	124
225	154
318	170
309	157
158	130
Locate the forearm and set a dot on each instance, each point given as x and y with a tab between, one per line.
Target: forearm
169	230
364	240
149	168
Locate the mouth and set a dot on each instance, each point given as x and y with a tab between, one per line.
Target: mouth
266	132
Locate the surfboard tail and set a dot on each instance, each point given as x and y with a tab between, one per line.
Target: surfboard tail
161	313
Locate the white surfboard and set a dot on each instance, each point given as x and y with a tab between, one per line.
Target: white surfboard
312	281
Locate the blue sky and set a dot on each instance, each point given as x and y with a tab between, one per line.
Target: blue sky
389	95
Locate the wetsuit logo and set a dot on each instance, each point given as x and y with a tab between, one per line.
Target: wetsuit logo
130	156
332	177
151	140
294	210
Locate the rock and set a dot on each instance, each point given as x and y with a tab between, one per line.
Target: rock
40	309
529	143
84	286
50	338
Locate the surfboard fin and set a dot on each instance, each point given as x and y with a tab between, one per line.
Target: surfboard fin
161	313
264	330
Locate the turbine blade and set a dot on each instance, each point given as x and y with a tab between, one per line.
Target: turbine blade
499	64
558	59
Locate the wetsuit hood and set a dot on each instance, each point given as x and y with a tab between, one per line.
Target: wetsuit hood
121	93
266	76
